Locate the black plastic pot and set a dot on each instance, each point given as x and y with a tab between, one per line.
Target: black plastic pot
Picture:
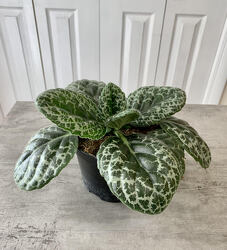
92	179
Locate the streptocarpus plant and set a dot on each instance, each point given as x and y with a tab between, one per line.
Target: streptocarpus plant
142	169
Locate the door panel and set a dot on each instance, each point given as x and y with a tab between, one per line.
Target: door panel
7	93
69	40
218	75
191	32
20	66
1	114
129	41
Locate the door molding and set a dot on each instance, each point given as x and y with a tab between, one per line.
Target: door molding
218	75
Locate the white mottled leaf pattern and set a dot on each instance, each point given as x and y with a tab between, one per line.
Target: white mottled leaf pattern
145	174
47	153
120	119
72	111
91	88
112	100
155	103
189	138
142	169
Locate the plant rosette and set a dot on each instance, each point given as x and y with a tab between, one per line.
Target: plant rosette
142	170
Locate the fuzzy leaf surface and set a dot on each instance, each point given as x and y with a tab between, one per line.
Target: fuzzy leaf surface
144	177
189	138
120	119
155	103
46	154
91	88
112	100
72	111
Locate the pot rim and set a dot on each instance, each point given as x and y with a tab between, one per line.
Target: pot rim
86	154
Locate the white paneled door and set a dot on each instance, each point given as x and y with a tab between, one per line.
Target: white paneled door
21	77
130	33
50	43
69	40
190	38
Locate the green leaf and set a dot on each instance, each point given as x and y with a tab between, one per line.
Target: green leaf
112	100
189	138
72	111
47	153
155	104
176	148
143	172
91	88
120	119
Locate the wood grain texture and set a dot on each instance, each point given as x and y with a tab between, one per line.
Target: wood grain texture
64	215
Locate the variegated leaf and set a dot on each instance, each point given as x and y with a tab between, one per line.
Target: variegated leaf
189	138
112	100
120	119
47	153
155	103
177	148
143	172
89	87
72	111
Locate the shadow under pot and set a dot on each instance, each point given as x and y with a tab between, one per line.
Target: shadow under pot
92	179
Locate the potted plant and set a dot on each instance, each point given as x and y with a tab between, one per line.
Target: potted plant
136	142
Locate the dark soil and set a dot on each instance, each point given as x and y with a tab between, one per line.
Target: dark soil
92	146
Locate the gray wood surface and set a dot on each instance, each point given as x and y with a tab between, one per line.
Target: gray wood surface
64	215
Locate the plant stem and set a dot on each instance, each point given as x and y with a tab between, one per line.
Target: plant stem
120	135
